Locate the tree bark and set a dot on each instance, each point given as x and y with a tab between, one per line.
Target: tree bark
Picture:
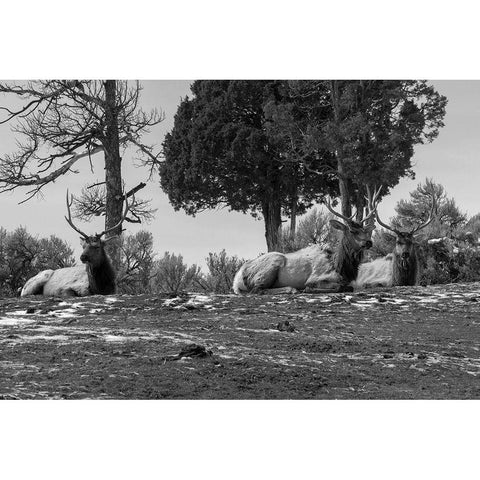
343	187
339	154
273	220
113	172
293	211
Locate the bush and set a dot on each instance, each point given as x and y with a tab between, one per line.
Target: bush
313	228
449	261
170	275
22	256
136	263
221	272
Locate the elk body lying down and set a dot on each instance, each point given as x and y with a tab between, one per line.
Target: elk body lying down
96	277
312	268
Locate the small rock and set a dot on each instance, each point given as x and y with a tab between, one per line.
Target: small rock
191	350
422	356
285	326
194	350
30	310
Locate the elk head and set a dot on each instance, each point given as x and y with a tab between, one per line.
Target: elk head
93	246
405	240
358	236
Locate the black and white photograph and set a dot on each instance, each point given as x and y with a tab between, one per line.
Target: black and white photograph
240	246
256	239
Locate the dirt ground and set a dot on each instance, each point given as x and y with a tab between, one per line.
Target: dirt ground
399	343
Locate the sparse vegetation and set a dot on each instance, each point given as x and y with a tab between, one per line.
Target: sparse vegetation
23	255
172	275
221	271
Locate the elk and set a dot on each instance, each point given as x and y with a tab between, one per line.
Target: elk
399	268
97	277
313	268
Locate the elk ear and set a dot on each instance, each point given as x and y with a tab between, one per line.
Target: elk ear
338	225
82	241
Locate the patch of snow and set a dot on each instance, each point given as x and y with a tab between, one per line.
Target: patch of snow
111	300
8	322
270	330
16	312
65	313
34	338
169	302
321	299
115	338
433	241
201	298
396	300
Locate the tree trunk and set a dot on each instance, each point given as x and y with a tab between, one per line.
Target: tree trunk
343	187
293	213
273	220
113	172
339	153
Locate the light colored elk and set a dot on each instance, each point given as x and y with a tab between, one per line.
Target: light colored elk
399	268
314	268
96	277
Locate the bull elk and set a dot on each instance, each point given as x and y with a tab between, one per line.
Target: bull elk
314	268
97	277
399	268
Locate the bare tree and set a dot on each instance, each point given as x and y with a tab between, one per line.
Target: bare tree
61	122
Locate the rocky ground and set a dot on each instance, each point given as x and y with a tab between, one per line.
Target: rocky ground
399	343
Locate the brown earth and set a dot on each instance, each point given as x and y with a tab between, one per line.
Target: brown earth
399	343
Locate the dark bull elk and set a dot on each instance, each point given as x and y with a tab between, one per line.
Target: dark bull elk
399	268
96	277
314	268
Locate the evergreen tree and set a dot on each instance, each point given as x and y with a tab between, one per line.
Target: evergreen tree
223	151
370	128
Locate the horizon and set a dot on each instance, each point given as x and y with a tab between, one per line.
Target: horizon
445	160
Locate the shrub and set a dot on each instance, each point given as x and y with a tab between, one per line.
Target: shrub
313	228
221	272
170	275
136	263
22	256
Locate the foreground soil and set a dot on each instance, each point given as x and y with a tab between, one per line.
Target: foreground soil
399	343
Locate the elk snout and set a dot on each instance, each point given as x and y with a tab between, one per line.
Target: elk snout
83	258
368	244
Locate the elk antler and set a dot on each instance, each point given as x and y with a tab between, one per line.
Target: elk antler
338	214
373	206
416	229
431	216
372	202
127	207
69	219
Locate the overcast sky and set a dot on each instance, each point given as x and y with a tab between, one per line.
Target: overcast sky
450	160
